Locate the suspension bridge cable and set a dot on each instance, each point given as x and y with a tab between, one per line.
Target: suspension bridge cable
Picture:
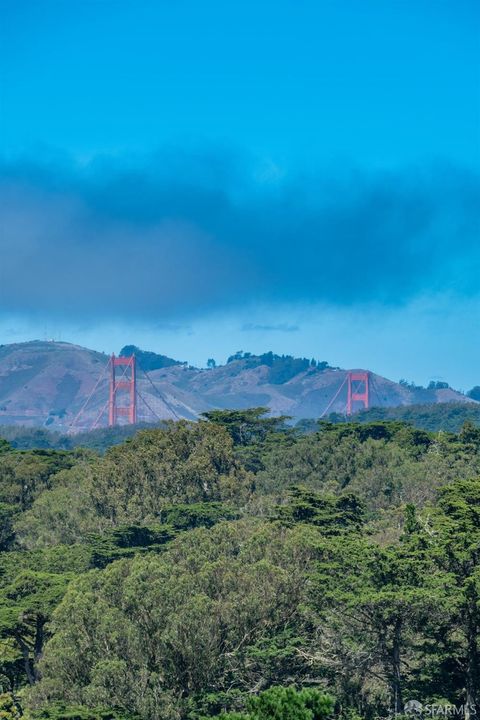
334	398
160	395
100	415
149	407
108	399
82	409
375	389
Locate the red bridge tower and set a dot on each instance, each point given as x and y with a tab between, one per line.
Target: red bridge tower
127	382
358	390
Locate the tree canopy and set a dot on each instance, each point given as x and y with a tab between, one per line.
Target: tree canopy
238	568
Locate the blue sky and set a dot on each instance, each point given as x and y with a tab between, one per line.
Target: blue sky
297	176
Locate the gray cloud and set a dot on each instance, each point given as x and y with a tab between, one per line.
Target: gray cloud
184	233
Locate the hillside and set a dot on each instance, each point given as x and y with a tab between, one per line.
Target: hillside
52	384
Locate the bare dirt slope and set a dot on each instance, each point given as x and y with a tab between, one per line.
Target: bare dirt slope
51	383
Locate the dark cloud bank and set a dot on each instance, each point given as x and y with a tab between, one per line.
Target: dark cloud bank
181	234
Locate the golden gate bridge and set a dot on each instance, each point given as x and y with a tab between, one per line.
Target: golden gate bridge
127	402
125	397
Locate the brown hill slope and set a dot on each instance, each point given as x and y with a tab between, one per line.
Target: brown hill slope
51	383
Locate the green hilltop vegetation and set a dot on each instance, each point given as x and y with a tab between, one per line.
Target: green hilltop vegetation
282	368
148	360
237	568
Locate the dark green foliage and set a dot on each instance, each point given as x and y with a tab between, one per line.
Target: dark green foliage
399	431
26	438
148	360
333	515
5	446
238	568
25	474
470	434
126	542
9	708
22	438
282	368
103	438
287	703
26	605
133	484
187	517
474	393
410	384
448	417
310	425
437	385
195	613
59	711
7	517
252	431
57	559
247	427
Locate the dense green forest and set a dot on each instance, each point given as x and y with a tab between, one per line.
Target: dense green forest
237	567
449	417
34	438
